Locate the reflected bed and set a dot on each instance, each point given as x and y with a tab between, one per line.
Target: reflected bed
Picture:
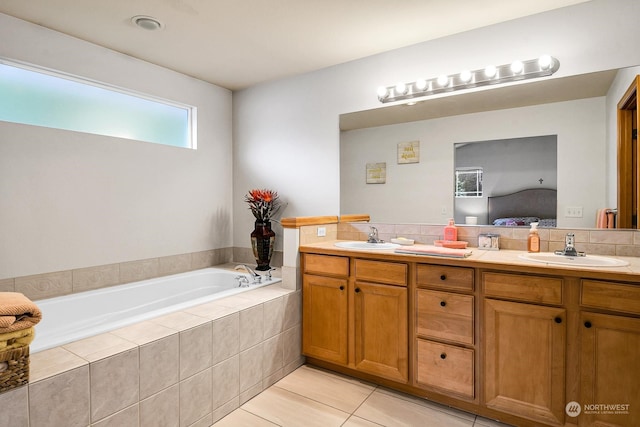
524	207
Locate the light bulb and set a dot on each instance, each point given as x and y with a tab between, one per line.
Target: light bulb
544	62
465	76
443	80
490	71
517	67
382	92
401	88
421	84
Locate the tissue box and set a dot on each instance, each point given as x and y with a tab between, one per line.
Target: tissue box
14	368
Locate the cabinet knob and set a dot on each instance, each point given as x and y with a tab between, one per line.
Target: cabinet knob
443	303
443	277
357	290
341	287
443	355
558	319
587	324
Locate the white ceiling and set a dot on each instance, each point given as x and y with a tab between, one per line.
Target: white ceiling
239	43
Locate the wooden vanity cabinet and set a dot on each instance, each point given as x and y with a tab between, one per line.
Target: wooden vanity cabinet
444	330
362	307
524	344
610	348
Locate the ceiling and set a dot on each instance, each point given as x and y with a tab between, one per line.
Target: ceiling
240	43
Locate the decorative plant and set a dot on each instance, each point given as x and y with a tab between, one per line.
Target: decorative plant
264	204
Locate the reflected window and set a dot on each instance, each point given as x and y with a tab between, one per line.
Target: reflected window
35	96
468	182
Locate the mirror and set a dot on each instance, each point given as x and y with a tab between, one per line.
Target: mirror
572	109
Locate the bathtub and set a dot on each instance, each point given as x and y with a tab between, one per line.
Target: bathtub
72	317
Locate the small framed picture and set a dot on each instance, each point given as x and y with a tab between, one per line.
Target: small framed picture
376	173
409	152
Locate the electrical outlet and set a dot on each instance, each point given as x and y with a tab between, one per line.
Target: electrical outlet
322	231
573	212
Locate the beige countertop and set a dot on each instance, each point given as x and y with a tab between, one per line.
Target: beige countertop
484	258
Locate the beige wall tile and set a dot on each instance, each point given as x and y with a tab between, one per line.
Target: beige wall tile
195	349
114	384
628	250
226	381
174	264
15	407
251	362
195	397
270	380
203	259
273	317
292	310
161	409
62	400
205	421
7	285
99	346
128	417
159	365
86	279
47	363
250	393
134	271
614	237
251	326
292	344
273	354
47	285
226	338
225	409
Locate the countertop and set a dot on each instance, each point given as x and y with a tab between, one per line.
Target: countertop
486	259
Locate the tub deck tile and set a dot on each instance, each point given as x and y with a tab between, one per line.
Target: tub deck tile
48	363
144	332
99	346
180	320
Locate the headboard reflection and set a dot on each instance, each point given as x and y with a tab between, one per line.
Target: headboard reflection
536	202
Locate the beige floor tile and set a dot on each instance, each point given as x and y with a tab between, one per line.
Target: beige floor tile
486	422
354	421
389	410
429	404
285	408
339	392
242	418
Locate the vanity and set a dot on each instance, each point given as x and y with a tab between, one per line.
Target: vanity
526	343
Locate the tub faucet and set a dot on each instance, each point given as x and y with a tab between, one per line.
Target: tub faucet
373	236
255	276
569	246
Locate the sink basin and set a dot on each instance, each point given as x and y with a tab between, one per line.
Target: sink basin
585	261
366	245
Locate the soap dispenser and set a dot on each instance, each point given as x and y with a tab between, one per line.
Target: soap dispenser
533	241
451	231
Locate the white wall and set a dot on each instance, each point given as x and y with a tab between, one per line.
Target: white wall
71	200
294	122
422	192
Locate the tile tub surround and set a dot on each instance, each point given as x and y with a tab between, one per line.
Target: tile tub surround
592	241
187	368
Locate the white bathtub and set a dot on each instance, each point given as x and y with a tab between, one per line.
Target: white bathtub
72	317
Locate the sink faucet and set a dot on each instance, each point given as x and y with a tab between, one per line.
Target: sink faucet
569	246
373	236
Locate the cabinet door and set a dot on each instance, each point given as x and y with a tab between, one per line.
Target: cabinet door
524	360
324	318
380	332
610	371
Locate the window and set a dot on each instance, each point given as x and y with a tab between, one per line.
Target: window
469	182
39	97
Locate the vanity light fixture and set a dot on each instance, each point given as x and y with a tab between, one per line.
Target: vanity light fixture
518	70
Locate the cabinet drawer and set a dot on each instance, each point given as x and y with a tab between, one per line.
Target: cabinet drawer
326	265
518	287
444	315
392	273
610	296
446	367
440	276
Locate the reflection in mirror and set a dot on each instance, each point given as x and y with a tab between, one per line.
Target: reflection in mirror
487	169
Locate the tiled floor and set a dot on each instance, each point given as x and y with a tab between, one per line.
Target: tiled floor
313	397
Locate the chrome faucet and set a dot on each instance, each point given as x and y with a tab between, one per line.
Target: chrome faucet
255	276
373	236
569	246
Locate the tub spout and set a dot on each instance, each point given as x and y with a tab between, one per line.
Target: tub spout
256	278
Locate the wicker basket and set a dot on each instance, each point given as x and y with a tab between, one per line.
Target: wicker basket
14	368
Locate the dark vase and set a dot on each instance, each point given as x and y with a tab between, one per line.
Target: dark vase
262	241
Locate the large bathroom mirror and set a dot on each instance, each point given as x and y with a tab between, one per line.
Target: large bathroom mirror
397	163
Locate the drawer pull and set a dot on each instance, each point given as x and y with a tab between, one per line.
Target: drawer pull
558	319
443	303
341	287
587	324
443	277
443	355
357	290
